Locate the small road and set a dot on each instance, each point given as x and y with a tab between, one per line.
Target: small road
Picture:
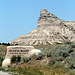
4	73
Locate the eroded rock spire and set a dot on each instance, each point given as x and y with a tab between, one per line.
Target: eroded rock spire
50	29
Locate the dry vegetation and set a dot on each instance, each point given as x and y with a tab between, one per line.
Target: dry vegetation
2	50
50	63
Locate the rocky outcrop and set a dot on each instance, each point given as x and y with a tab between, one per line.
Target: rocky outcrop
50	29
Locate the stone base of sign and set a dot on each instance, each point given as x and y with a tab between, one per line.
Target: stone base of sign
6	62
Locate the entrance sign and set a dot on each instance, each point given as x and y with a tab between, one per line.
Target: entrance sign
26	51
18	51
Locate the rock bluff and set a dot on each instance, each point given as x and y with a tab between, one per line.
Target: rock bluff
50	29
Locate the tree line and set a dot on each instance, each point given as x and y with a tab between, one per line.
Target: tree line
7	44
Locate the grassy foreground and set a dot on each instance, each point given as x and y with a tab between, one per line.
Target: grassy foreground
35	68
50	64
2	50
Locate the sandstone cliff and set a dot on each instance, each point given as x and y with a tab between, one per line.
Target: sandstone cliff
50	29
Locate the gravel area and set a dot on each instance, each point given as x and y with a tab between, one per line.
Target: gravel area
4	73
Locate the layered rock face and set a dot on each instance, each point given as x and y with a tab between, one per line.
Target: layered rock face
50	29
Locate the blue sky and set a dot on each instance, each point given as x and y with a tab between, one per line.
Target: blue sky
19	17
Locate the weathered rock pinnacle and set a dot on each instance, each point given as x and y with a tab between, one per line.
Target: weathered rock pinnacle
44	13
50	29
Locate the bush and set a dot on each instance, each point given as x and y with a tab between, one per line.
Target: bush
72	45
33	57
1	59
9	66
37	57
49	54
57	64
71	60
62	53
40	56
13	59
72	72
2	69
59	54
24	60
19	58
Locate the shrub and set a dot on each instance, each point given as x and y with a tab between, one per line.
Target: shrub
19	58
61	53
72	72
9	66
0	63
37	57
13	58
2	69
49	54
24	60
71	60
72	45
40	56
1	59
57	64
33	57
